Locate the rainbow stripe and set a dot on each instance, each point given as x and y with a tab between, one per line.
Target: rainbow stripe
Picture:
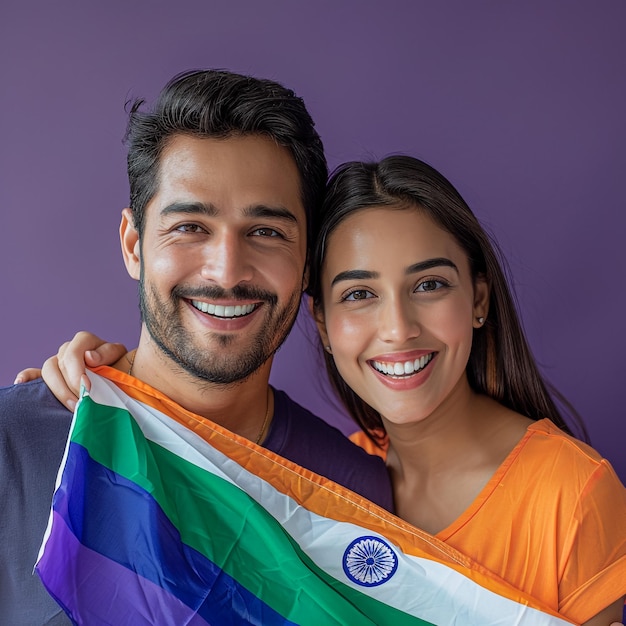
160	517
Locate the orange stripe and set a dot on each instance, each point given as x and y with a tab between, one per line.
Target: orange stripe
319	495
363	441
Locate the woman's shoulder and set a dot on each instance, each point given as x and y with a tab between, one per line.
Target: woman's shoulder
540	441
547	434
560	463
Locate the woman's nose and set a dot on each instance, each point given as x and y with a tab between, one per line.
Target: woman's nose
398	321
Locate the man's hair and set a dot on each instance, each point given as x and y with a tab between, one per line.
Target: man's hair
221	104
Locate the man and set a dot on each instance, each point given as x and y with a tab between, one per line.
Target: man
225	174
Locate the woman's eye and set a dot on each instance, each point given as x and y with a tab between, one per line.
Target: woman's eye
359	294
431	285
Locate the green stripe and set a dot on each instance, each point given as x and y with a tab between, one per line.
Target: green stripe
246	541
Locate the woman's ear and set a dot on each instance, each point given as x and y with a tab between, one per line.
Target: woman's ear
482	292
318	315
129	239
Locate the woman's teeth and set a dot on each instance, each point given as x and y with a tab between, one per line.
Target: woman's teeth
405	368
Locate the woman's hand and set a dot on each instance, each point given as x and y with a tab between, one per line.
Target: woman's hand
25	376
64	372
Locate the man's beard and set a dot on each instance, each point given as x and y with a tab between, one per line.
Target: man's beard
207	355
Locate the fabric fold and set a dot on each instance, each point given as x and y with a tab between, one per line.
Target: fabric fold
162	517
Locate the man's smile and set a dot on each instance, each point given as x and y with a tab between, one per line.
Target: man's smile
225	311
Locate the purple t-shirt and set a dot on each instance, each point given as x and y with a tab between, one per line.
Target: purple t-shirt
307	440
34	427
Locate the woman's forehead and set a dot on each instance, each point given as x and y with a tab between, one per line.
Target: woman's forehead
384	239
379	224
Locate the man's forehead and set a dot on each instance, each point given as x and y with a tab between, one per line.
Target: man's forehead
234	151
248	172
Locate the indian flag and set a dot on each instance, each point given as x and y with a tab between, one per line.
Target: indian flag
161	517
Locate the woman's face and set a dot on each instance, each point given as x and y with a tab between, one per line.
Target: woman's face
399	309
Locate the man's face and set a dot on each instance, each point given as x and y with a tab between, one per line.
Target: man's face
223	254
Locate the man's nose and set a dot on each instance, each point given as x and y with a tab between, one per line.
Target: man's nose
227	260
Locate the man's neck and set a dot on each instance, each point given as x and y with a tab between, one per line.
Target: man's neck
240	407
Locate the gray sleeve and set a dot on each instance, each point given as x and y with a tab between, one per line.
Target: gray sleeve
33	431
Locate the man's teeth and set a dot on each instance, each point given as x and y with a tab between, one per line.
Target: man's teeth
219	310
403	369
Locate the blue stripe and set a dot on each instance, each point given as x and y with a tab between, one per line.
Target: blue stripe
120	520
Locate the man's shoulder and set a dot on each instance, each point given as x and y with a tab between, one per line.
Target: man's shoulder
303	421
26	393
33	432
30	411
313	443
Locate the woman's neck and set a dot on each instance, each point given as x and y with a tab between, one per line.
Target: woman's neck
436	440
439	465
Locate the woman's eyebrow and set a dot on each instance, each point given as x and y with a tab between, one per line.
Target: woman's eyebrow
354	275
413	269
430	263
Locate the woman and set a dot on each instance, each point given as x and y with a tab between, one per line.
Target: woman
425	349
423	345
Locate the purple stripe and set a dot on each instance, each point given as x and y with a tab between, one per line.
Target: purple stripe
119	520
86	574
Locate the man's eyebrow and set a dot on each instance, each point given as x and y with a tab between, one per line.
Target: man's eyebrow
413	269
210	210
279	212
190	208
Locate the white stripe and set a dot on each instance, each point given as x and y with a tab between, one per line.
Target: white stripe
429	590
57	483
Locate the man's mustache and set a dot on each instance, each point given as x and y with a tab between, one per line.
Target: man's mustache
238	292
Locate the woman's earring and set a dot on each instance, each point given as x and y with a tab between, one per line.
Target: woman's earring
481	320
328	349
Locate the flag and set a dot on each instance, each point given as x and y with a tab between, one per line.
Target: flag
162	517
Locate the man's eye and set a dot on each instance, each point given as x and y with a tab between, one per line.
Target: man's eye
190	228
265	232
358	294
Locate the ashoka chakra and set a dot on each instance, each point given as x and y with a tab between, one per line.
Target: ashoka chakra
369	561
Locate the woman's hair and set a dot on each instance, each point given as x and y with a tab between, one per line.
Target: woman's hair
500	364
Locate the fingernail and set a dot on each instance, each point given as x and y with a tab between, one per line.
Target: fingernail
71	405
93	355
18	380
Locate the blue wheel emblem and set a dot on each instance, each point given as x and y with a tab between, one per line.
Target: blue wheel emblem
369	561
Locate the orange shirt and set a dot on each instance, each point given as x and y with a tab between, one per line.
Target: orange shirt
552	522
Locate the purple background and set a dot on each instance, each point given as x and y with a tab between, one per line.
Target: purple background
522	105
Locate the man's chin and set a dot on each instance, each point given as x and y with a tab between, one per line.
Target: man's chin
234	371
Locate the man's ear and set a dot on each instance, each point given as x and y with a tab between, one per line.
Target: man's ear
129	239
305	278
318	315
482	292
